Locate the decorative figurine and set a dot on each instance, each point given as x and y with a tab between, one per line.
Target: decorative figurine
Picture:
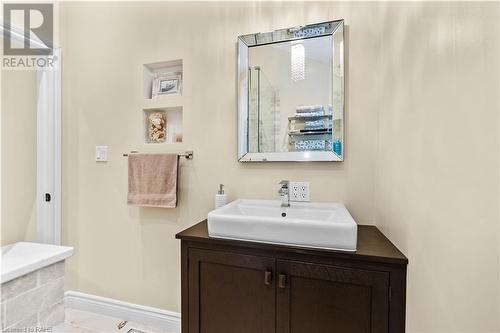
157	127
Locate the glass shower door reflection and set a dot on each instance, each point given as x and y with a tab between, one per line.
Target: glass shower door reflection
263	114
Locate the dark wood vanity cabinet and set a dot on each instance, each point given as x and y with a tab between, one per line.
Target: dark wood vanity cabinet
323	298
228	292
247	287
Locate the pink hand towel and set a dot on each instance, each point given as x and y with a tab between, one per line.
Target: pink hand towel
152	180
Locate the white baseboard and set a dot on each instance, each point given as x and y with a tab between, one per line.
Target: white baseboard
166	320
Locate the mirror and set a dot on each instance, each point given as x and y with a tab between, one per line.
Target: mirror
291	94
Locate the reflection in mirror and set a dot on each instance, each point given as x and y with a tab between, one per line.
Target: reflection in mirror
291	96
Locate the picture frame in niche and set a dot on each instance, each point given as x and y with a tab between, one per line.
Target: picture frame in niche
166	84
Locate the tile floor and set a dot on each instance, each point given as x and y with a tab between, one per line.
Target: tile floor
78	321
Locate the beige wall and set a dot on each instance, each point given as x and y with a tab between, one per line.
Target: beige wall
421	142
437	174
130	253
18	148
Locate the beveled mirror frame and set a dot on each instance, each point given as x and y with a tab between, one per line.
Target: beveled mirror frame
279	36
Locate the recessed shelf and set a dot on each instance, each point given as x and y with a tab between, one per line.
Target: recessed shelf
167	101
310	117
323	132
151	70
163	125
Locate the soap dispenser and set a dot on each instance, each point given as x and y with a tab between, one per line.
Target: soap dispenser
220	197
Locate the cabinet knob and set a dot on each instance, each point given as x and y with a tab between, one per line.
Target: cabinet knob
282	281
268	277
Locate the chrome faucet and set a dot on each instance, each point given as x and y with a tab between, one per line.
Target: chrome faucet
284	192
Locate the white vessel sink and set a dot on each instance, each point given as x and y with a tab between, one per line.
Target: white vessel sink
317	225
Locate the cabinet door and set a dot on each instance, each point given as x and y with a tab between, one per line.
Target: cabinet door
231	292
320	299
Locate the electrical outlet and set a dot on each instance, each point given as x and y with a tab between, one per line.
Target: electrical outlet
299	191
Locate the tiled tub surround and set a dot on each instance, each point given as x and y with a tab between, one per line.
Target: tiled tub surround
32	290
35	299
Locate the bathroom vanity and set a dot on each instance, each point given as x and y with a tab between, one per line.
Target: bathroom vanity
264	266
247	287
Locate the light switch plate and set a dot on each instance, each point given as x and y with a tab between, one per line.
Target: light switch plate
101	153
299	191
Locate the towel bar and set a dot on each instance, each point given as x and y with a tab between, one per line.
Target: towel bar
188	154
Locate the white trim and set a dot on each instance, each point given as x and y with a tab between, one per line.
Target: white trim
57	197
49	153
1	186
166	320
49	160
